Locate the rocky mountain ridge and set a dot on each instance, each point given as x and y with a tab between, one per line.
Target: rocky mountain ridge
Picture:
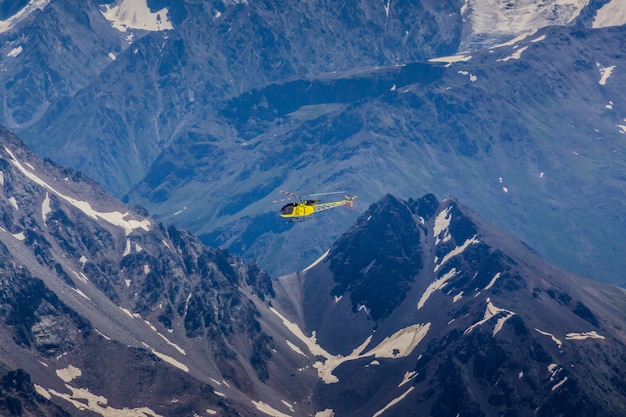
93	292
466	319
419	306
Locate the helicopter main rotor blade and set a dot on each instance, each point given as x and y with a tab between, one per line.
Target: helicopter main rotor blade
291	194
328	193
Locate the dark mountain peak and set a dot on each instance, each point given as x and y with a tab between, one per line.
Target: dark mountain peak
425	207
377	259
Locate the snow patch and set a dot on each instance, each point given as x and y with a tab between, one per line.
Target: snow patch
43	392
408	375
582	336
436	285
82	294
135	14
167	358
472	77
442	223
45	208
456	251
452	59
15	51
296	348
490	312
320	259
13	202
554	339
69	373
398	345
80	276
554	370
559	384
515	55
269	410
289	406
127	249
492	282
393	402
84	400
102	334
129	314
365	270
605	73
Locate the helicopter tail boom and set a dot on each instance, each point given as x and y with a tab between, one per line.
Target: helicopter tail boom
348	201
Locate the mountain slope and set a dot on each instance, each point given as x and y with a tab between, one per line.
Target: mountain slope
448	315
529	140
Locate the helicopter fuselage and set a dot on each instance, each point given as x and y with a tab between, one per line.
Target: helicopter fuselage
301	209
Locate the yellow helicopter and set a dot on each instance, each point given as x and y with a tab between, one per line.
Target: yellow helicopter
303	208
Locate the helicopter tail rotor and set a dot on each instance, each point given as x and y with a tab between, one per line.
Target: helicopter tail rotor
351	204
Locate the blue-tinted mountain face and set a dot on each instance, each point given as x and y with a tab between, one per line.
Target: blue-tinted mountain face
521	138
203	111
170	80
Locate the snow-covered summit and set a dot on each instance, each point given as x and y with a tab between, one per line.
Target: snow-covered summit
490	21
135	14
493	16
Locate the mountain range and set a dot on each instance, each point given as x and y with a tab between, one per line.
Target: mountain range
202	111
419	308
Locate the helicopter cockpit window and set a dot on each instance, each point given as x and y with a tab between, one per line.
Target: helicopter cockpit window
288	209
